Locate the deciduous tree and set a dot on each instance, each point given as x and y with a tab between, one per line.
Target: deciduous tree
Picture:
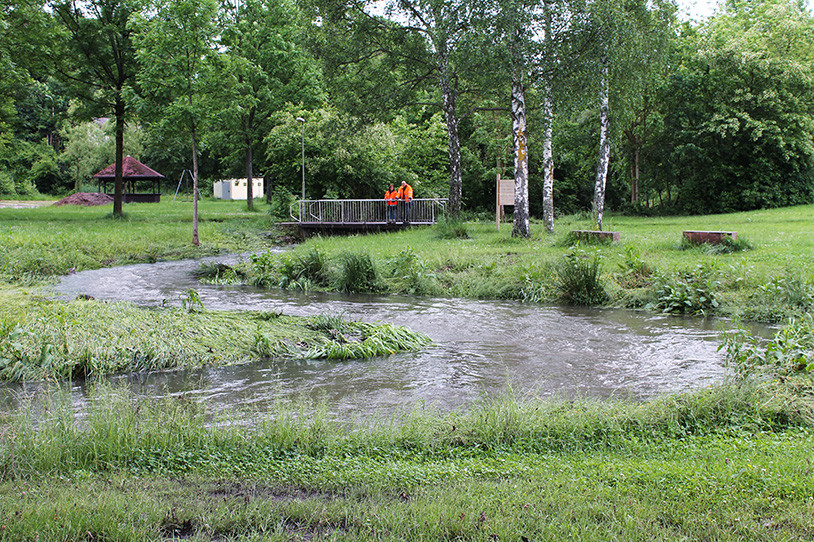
176	46
101	62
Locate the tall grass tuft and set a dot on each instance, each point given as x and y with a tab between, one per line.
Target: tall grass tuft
779	298
451	228
301	271
726	246
579	279
358	273
408	273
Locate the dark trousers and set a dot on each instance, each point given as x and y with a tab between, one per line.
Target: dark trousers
391	213
405	210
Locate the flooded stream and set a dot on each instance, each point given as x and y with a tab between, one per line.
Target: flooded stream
480	347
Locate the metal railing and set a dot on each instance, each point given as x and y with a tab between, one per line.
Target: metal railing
364	211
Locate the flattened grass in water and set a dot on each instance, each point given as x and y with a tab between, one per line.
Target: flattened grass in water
42	339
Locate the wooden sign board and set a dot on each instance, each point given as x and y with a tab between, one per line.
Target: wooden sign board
505	196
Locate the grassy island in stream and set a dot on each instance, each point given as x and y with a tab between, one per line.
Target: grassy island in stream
732	462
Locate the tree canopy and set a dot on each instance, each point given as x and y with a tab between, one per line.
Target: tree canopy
690	118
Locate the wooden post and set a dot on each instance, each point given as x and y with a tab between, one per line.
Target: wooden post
498	206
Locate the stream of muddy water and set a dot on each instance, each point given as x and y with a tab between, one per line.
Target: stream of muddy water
479	348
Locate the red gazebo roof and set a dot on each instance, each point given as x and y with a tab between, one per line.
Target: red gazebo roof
133	170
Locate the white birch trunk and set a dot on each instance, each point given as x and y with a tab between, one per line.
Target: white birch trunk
548	158
604	145
521	158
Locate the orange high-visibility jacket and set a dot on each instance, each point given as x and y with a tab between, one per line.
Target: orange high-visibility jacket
392	197
406	192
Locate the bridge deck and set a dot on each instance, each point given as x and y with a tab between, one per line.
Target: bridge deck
355	216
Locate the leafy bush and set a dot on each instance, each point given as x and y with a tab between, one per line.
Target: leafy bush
579	279
357	273
635	273
7	187
790	352
264	270
409	274
688	293
281	204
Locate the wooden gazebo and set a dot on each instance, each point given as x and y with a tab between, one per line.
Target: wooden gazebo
135	175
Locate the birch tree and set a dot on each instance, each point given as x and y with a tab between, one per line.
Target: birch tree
175	50
558	53
626	37
444	25
604	143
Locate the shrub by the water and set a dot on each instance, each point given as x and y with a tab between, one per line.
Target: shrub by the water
726	246
579	279
358	273
688	293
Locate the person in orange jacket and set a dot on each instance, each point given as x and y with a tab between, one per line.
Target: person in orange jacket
391	198
406	197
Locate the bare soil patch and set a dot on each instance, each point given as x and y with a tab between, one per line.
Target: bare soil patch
87	199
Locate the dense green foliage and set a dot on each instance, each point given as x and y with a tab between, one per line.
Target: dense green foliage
714	117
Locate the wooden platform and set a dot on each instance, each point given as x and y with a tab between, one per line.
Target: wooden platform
307	229
699	237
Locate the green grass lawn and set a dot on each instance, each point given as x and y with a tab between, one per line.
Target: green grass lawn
51	241
671	469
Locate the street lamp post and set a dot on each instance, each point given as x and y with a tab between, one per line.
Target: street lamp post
302	120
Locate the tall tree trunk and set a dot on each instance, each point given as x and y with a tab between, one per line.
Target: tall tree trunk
604	145
548	157
634	188
249	188
548	124
521	157
118	183
194	187
449	92
249	173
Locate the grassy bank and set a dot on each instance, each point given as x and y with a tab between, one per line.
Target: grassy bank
41	243
768	276
43	339
729	463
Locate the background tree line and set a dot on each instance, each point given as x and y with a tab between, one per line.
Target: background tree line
623	106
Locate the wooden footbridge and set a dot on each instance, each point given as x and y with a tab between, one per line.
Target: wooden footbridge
360	215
